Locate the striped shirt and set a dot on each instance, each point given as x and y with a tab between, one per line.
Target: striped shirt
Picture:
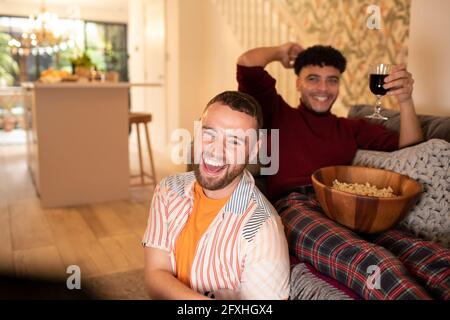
242	255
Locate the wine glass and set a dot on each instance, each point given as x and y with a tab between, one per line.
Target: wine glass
377	73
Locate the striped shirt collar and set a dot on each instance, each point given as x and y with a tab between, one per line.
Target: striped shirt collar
238	201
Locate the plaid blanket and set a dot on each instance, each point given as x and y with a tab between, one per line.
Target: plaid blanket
345	256
427	261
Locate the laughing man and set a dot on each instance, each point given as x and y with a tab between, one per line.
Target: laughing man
211	233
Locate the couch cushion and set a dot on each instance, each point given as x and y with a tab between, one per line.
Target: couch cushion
433	127
428	163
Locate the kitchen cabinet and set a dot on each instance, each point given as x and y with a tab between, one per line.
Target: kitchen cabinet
77	142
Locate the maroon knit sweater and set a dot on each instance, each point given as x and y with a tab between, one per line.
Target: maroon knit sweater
308	140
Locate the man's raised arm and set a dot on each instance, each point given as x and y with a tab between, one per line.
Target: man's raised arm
262	56
255	81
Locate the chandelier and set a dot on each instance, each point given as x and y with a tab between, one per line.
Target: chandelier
43	34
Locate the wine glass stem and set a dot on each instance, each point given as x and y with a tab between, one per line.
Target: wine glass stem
378	105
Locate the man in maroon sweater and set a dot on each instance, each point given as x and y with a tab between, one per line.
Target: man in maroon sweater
311	137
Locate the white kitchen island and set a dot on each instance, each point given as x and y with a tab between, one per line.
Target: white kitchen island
77	142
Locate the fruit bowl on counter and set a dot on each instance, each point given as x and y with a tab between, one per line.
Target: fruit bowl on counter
51	75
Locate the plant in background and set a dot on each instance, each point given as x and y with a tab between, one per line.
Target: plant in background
8	69
112	58
11	109
83	66
83	60
63	59
8	66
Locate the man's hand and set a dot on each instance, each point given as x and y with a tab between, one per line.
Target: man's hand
288	53
400	83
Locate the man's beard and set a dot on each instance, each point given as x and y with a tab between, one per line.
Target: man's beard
219	182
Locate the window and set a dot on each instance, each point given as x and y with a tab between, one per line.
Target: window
105	43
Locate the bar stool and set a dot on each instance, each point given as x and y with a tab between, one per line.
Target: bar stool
138	118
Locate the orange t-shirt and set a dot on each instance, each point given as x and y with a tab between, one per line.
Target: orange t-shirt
203	213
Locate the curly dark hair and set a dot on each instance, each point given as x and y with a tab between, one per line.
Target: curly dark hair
319	55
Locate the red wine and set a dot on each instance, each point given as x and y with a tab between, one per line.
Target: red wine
376	84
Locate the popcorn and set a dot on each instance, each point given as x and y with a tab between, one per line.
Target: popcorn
363	189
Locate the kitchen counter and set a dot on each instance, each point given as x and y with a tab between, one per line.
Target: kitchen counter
87	85
77	141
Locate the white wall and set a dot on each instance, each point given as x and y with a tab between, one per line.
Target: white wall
221	54
172	79
202	57
429	55
192	45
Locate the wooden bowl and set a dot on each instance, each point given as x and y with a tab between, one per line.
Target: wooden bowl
364	213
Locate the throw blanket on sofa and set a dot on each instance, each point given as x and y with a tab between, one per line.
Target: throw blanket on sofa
308	284
429	164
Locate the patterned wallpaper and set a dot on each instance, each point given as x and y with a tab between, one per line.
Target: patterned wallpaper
343	24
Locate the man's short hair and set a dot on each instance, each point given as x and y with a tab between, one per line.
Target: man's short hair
321	56
240	101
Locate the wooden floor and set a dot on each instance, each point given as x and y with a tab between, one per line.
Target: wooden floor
100	238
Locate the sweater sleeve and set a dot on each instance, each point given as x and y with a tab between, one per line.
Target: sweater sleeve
371	136
258	83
